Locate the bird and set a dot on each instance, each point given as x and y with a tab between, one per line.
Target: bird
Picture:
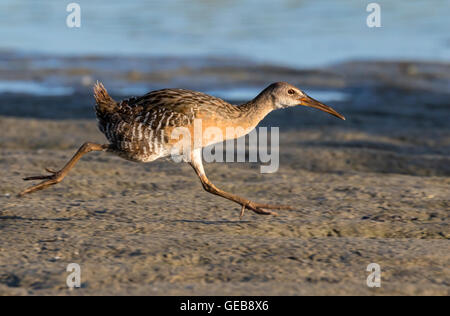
140	128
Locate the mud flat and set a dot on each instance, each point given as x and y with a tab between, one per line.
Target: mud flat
372	189
150	229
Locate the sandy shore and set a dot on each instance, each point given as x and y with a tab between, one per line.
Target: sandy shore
362	195
372	189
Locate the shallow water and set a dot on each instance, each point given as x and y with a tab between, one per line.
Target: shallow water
231	49
33	88
288	32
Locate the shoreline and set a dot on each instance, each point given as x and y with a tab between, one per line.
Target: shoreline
371	189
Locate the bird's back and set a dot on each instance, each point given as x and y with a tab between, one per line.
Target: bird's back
139	128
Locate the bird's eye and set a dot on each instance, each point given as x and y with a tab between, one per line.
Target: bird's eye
291	91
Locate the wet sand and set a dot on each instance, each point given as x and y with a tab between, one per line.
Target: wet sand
372	189
150	229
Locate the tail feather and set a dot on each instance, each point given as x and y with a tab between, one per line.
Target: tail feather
105	104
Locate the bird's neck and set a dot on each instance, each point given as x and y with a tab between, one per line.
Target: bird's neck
255	110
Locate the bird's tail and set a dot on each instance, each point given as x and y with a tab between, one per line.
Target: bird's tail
104	103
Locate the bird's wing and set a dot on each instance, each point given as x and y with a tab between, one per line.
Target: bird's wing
152	117
170	107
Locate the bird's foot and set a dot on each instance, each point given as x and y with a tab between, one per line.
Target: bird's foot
54	178
263	209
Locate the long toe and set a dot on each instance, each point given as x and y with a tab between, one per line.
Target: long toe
38	187
54	175
274	207
257	209
48	181
38	178
262	211
51	170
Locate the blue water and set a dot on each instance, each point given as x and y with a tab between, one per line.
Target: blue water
33	88
299	33
232	93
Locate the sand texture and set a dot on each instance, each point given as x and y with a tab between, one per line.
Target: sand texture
364	192
372	189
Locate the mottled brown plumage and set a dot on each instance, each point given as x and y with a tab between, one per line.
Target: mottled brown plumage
141	129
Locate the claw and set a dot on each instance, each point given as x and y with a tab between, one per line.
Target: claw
48	177
274	207
57	176
48	181
51	170
242	212
258	209
262	211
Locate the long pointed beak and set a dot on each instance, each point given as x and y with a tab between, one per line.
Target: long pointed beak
308	101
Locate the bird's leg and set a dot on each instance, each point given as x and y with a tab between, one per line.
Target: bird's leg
58	176
259	208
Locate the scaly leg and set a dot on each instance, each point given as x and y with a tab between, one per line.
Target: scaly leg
58	176
259	208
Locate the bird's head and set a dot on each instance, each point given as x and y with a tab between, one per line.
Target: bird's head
283	95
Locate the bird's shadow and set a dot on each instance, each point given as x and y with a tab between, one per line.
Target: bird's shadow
20	218
206	222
